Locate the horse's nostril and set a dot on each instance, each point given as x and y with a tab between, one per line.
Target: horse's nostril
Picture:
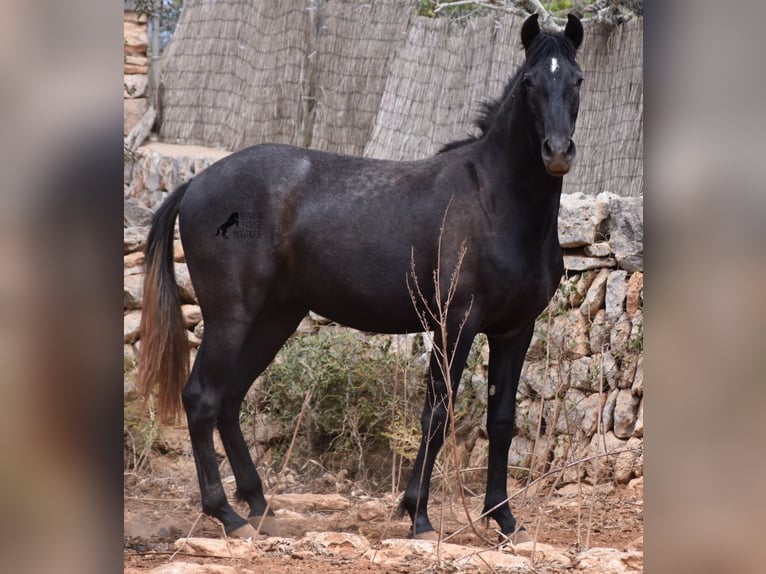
547	149
571	148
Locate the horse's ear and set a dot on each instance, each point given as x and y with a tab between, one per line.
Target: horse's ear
574	31
529	31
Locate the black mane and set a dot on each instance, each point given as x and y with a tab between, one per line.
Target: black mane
546	44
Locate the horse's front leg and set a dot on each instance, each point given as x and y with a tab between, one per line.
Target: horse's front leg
434	424
506	357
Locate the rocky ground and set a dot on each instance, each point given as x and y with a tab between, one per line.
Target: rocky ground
335	525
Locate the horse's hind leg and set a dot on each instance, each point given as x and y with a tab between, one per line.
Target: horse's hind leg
227	363
269	332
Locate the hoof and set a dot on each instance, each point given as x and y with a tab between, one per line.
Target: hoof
427	535
269	527
244	531
518	537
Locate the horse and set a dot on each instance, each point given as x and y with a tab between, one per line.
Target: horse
347	237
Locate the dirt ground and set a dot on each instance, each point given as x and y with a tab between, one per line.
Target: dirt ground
161	505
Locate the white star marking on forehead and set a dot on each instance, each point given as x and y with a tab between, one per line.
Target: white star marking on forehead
554	65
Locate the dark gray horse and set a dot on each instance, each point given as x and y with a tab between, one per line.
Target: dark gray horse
336	234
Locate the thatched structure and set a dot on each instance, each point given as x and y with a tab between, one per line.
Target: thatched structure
235	73
373	78
357	42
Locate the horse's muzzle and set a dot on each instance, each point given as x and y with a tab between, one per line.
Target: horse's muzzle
558	155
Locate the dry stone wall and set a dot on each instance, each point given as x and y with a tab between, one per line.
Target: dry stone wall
135	69
580	404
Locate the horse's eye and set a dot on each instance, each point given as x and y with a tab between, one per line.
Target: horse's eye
578	82
528	83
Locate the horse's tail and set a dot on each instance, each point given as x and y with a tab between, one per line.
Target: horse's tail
164	351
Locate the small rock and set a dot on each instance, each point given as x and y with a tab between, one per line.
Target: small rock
581	288
184	283
635	293
234	547
616	287
133	288
607	415
626	231
590	409
178	252
601	467
580	375
625	411
310	502
609	561
638	381
581	263
179	567
594	299
543	553
134	239
609	369
133	110
638	429
600	249
134	85
627	373
131	323
600	329
620	335
192	315
133	260
581	219
338	542
625	462
568	336
134	214
372	510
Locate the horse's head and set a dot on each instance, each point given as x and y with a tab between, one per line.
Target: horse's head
551	85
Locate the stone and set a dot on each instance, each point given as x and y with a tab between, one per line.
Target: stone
607	415
638	429
184	283
135	69
636	338
570	412
594	299
133	260
192	315
130	326
580	375
581	219
626	231
135	38
625	411
620	335
600	467
609	561
608	368
568	336
600	329
134	85
337	543
543	553
541	382
133	289
634	297
134	239
133	16
590	407
520	453
298	502
136	60
614	298
638	380
395	552
181	567
372	510
135	215
600	249
627	373
133	110
625	463
234	547
581	288
581	263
